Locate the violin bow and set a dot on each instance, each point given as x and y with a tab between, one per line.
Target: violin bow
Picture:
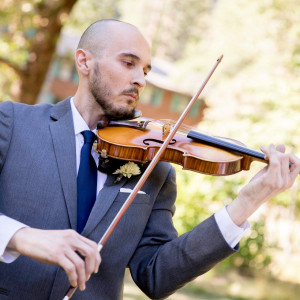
148	170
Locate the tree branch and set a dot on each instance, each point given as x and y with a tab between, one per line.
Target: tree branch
13	66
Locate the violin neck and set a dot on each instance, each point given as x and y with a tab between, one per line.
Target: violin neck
217	142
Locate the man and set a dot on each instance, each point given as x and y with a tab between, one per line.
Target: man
40	156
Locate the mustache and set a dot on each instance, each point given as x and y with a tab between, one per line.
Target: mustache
132	90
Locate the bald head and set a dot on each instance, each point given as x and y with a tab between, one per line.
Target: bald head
99	34
112	60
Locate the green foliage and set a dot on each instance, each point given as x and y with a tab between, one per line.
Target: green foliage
19	22
199	196
254	255
85	13
7	83
170	25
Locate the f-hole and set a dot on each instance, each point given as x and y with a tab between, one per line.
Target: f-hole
146	141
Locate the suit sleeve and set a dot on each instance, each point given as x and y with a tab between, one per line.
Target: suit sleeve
164	262
8	226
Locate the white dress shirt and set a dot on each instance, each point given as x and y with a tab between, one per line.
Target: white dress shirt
8	226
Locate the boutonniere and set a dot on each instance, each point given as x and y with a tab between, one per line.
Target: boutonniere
127	170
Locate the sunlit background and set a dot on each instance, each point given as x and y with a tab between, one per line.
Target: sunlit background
253	97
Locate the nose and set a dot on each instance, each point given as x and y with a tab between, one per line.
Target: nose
138	78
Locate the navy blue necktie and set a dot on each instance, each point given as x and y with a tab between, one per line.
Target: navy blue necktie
86	180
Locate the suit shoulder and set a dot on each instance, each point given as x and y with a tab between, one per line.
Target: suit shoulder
26	108
6	107
22	115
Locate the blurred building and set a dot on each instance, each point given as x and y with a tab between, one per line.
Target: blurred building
161	99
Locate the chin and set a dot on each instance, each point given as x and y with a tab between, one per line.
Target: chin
121	114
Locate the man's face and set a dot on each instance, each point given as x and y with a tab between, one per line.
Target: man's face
118	74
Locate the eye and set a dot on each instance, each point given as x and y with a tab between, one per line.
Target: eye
128	63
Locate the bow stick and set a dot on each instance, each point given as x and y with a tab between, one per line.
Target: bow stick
147	172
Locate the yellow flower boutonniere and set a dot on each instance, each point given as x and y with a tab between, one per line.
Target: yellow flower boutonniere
127	170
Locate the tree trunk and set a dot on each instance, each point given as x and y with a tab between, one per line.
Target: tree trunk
41	52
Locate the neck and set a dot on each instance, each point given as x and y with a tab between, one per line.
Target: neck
88	108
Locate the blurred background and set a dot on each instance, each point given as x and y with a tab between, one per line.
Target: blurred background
252	97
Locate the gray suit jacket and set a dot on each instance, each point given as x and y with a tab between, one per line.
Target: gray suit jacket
38	188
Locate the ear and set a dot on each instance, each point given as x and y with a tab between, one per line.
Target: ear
83	61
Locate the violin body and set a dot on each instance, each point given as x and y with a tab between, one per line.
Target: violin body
141	144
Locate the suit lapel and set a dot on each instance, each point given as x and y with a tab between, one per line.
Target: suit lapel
63	137
103	202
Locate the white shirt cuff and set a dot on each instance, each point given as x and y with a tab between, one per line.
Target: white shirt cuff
8	227
230	231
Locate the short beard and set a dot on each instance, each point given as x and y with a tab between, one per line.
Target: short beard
102	96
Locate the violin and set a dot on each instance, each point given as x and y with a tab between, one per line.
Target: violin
139	140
